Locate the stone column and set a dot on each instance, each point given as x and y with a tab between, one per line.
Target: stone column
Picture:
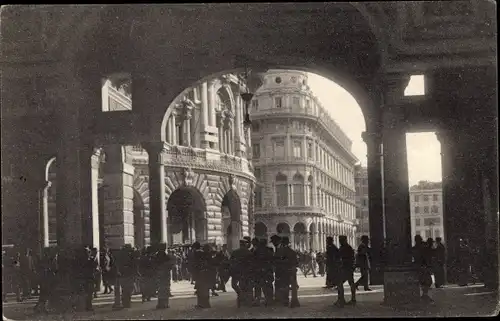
204	114
157	203
187	123
118	201
375	203
44	230
174	127
74	197
400	279
211	102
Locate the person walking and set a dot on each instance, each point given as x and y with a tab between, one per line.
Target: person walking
363	262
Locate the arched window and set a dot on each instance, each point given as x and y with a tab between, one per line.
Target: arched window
298	190
281	190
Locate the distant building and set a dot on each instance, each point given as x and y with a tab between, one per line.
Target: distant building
361	183
427	210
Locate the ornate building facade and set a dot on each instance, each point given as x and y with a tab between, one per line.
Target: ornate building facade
426	200
208	180
362	199
303	165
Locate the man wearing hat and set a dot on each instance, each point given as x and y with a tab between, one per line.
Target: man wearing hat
286	274
240	263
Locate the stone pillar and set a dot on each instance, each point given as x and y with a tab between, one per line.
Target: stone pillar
119	199
44	219
211	102
375	204
400	279
204	114
74	197
157	203
187	123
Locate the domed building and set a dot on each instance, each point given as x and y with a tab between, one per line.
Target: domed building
303	162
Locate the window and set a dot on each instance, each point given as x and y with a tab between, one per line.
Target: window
437	233
278	102
295	101
281	190
258	196
432	221
417	209
417	222
308	103
435	197
255	127
426	209
434	209
416	198
279	148
426	198
427	234
256	150
297	148
310	150
417	232
255	104
298	190
365	203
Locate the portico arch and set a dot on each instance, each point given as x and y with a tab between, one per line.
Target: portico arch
299	236
283	229
231	219
186	216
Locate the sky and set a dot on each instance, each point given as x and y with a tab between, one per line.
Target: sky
423	149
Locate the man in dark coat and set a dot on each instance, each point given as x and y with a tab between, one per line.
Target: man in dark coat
363	262
347	265
240	272
164	263
332	263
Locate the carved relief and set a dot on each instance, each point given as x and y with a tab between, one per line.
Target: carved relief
188	176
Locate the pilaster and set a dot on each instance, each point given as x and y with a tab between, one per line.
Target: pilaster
158	213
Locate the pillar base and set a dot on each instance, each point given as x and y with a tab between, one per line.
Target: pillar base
401	286
377	275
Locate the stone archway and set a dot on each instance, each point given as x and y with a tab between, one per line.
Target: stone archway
186	216
283	229
299	236
313	237
260	230
231	219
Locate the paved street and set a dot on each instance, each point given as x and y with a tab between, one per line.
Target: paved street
316	302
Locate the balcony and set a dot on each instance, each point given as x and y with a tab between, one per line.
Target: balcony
182	156
289	210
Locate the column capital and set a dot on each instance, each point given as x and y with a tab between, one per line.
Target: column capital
374	138
155	150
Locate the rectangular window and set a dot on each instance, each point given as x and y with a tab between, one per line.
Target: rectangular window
278	102
256	150
426	209
434	209
297	149
308	103
279	148
417	222
437	233
435	197
255	104
258	197
417	209
426	198
427	234
310	150
416	198
296	102
432	221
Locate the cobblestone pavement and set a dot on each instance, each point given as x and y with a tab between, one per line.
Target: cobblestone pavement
316	302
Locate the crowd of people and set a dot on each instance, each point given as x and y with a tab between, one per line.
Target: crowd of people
260	273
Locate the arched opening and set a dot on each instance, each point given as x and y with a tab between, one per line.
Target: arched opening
312	237
298	190
186	216
231	219
260	230
139	223
299	236
283	229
